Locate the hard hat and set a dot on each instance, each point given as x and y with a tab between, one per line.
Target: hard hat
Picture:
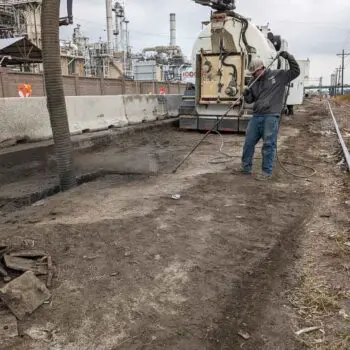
255	65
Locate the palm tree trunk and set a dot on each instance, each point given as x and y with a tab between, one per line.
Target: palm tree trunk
55	94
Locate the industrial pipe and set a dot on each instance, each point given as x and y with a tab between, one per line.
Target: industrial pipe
109	19
172	29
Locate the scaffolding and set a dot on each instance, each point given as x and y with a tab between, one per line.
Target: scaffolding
21	18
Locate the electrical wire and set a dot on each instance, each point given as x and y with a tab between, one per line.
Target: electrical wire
346	38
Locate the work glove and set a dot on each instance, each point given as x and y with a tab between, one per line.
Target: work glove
246	92
284	54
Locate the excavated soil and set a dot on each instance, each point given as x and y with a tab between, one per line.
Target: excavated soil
216	269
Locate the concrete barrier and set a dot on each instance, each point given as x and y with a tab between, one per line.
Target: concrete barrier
95	113
24	119
28	118
173	103
141	108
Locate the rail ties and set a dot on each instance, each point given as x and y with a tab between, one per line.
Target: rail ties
340	137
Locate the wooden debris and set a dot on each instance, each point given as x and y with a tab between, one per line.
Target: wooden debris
244	335
28	254
39	334
29	243
38	203
3	250
307	330
22	264
3	272
8	326
24	294
49	272
92	257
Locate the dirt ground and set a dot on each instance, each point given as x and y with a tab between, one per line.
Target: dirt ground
342	114
233	258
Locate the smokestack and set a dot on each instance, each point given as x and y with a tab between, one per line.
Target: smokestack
172	29
117	15
127	44
109	17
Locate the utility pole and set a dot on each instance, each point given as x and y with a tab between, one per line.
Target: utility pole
343	55
336	81
333	84
339	77
320	86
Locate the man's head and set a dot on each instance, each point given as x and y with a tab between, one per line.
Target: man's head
256	67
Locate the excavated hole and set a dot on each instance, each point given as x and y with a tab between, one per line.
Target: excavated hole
8	205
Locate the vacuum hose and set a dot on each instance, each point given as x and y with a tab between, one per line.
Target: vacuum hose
221	119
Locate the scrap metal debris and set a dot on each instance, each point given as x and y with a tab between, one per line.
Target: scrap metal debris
24	294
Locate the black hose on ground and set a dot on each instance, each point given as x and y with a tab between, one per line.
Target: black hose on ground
225	157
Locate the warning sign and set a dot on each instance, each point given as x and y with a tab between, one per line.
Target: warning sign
188	76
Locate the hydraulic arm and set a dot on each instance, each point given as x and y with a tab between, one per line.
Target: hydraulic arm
66	21
219	5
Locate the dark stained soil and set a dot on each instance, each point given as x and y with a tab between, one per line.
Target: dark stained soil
136	269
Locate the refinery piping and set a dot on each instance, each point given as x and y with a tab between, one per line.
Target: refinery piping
112	58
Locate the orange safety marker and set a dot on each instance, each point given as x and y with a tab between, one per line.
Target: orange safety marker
25	90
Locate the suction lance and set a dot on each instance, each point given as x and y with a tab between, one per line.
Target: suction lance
220	120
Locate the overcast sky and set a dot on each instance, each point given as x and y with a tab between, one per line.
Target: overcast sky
315	29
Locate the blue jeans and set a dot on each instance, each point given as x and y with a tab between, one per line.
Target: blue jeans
265	127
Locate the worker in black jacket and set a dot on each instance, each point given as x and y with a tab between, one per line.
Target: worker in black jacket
267	94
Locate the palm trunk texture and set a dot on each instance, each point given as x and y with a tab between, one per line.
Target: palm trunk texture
55	94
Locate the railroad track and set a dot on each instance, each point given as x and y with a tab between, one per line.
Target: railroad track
340	137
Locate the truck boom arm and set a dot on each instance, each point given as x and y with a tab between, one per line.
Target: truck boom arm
65	21
219	5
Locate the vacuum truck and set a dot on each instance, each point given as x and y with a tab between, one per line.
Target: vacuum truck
221	56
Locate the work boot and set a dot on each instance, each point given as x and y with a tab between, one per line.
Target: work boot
263	177
240	171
